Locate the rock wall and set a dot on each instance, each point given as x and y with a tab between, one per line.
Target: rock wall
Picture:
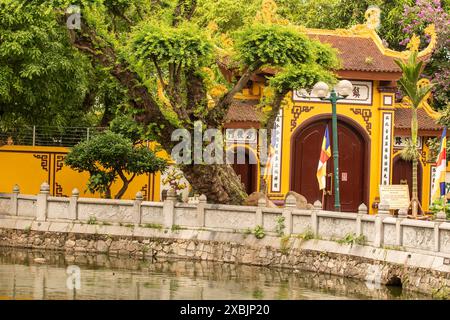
417	272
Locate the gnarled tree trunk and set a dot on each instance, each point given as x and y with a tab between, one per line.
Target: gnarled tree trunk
218	182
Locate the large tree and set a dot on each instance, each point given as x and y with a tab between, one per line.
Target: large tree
168	66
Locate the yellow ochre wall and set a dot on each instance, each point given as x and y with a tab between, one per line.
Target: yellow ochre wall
29	166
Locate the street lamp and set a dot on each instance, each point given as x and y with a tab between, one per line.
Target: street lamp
342	90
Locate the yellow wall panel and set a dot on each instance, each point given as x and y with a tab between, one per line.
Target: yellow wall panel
30	166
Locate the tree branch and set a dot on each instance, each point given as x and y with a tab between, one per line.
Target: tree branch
218	113
87	41
160	75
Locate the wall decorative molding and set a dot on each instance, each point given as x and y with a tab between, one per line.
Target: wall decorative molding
296	112
59	161
44	160
366	114
59	190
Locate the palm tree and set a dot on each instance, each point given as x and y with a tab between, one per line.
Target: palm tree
409	83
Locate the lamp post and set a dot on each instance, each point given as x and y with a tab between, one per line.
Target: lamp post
341	91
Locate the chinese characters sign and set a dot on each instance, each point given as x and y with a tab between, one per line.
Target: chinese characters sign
402	142
276	170
386	149
361	94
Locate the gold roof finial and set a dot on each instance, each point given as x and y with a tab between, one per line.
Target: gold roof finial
430	31
372	15
268	13
414	43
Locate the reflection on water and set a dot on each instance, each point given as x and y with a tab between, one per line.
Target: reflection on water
25	275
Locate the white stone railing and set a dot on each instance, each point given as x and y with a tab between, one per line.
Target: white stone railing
381	230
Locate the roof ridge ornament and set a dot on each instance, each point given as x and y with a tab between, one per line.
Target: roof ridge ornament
268	14
373	17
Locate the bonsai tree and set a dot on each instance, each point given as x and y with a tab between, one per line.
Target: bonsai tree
409	82
109	155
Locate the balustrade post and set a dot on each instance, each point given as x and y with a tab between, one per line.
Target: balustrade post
259	211
290	204
315	218
201	211
73	205
137	216
169	208
362	210
14	201
41	203
383	212
402	214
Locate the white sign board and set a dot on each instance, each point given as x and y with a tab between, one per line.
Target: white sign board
396	195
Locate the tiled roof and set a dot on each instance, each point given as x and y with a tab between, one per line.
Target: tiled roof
426	122
244	110
359	53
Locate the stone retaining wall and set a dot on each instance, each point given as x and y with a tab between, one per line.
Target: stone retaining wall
415	271
378	230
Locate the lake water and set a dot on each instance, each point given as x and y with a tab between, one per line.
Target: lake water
26	274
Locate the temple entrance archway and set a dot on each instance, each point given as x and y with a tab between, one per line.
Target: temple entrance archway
354	146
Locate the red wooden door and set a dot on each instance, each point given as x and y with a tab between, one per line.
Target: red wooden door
402	174
248	172
352	157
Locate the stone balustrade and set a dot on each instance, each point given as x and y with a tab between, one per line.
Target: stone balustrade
381	230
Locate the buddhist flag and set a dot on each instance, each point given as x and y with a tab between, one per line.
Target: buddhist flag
325	154
441	166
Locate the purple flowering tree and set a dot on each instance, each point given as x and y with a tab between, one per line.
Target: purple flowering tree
414	20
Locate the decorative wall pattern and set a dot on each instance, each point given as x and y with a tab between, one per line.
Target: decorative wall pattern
366	115
296	112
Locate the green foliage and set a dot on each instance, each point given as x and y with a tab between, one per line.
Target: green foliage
308	234
351	239
43	79
109	155
279	228
410	152
92	220
27	230
185	45
442	293
229	15
303	76
411	74
153	226
273	44
176	228
127	127
259	232
440	205
284	244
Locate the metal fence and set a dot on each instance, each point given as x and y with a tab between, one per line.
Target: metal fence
47	136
